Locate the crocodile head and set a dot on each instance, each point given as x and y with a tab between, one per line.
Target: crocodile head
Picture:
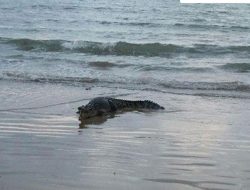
86	112
96	107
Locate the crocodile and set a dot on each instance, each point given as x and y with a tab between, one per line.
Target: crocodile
100	106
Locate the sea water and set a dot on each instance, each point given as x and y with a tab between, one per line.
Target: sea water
150	45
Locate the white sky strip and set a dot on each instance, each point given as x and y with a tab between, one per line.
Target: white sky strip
215	1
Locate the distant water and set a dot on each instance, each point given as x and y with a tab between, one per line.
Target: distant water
155	46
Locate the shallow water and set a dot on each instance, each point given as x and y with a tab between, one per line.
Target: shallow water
191	59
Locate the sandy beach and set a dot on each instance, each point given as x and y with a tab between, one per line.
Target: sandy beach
198	142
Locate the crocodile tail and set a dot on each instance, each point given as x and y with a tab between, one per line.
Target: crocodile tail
147	104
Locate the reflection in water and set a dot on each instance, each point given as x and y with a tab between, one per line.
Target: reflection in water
95	121
98	120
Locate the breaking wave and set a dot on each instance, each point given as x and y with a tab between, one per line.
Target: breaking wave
127	83
226	86
122	48
26	77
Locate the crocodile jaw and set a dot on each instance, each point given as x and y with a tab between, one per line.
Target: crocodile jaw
87	114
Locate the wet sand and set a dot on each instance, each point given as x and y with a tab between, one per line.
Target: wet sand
198	142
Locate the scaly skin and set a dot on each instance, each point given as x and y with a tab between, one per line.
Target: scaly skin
105	105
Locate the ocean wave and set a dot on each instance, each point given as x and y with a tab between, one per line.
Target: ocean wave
175	69
106	65
211	26
139	24
237	67
41	45
126	83
27	77
215	86
123	48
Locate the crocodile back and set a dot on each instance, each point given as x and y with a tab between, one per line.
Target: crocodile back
135	105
